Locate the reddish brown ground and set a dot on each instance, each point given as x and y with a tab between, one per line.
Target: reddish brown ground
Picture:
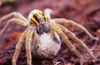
84	12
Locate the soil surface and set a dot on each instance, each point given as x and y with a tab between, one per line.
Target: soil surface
84	12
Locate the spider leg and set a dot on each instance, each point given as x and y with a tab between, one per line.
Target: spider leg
66	31
28	46
15	15
63	21
18	47
68	43
47	12
14	20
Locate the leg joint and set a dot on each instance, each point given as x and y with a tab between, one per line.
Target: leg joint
71	34
15	14
73	49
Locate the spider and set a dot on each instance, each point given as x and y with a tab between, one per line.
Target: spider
43	34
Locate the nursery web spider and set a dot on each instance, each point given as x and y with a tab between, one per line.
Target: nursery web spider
43	34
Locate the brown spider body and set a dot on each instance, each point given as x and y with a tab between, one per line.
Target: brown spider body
42	36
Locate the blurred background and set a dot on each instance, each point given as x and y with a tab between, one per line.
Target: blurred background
84	12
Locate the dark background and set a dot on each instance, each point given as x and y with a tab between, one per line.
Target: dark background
84	12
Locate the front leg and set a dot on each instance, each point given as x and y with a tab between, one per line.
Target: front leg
65	21
28	47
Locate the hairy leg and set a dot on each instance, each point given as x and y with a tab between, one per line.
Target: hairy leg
66	31
64	21
28	46
18	19
15	15
18	47
14	20
68	43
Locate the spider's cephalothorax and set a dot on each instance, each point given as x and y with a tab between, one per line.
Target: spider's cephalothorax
41	20
42	35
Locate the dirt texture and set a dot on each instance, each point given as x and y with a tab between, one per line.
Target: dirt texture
84	12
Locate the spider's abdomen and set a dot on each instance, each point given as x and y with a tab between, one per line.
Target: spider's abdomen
46	46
